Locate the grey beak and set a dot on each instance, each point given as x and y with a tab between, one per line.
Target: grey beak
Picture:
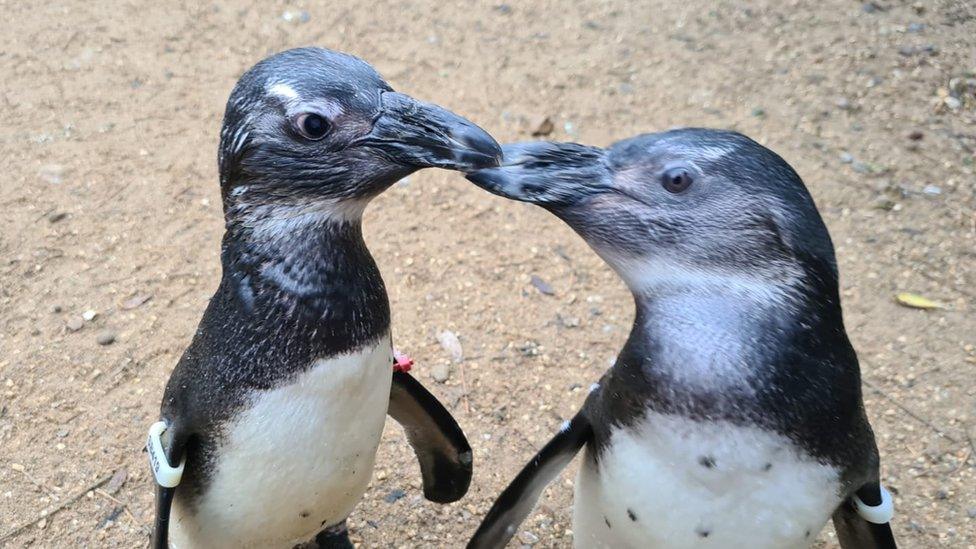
423	135
547	174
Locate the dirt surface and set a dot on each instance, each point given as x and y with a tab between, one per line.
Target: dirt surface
108	131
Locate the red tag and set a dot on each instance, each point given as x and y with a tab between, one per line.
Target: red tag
401	362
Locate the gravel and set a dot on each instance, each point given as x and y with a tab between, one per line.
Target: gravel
105	337
440	372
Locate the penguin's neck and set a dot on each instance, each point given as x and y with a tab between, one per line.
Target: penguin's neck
304	266
708	339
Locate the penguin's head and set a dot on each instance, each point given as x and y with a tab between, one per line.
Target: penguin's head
683	207
314	128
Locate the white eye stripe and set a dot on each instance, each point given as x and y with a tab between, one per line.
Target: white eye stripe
709	153
701	153
284	92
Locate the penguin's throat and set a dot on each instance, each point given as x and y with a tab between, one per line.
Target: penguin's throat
705	341
300	250
772	283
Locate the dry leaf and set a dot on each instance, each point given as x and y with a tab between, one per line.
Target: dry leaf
916	301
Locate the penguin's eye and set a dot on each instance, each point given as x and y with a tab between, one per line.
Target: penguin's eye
312	126
676	180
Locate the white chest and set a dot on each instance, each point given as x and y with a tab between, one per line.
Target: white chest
673	482
299	458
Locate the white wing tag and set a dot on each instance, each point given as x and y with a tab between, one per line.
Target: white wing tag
166	475
881	513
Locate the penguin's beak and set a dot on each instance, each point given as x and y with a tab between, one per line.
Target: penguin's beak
422	135
551	175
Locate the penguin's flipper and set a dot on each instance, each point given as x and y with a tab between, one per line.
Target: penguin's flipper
440	445
519	498
164	502
858	524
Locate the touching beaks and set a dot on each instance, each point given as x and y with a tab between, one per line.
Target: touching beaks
424	135
545	173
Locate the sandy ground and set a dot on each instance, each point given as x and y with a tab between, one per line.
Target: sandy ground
108	130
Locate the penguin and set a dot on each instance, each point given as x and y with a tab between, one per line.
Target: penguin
275	410
733	415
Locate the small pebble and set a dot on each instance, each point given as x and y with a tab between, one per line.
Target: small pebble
971	512
957	86
952	102
52	173
909	51
74	324
299	16
568	321
89	315
440	372
883	203
543	286
55	308
136	301
106	337
54	217
932	190
528	538
871	7
394	495
846	157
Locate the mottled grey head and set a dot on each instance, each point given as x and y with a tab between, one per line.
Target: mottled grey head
690	207
321	130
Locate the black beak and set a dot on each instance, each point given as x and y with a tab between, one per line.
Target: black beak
423	135
547	174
